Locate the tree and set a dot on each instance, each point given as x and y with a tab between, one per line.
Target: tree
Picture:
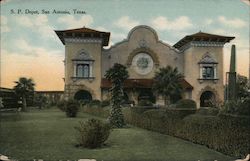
24	88
167	82
242	87
117	75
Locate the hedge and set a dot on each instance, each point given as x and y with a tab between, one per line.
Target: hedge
228	134
186	103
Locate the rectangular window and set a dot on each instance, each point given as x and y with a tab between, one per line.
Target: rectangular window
208	72
82	70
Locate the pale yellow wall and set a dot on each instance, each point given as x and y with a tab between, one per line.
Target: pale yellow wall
192	71
93	49
120	52
186	62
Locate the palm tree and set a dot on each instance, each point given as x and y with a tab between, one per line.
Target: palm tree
117	75
167	82
24	88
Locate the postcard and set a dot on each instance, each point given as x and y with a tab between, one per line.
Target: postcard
132	80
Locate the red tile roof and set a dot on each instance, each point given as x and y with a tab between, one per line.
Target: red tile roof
140	83
84	32
202	36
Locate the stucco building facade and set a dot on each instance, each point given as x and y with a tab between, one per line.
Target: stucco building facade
199	57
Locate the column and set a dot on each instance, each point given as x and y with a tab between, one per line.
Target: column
74	69
215	72
200	71
91	69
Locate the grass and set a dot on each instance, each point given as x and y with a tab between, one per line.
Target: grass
49	135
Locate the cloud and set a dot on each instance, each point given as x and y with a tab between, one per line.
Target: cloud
208	21
25	21
100	28
24	48
4	24
180	23
126	23
246	2
35	21
5	1
118	36
236	22
72	22
37	24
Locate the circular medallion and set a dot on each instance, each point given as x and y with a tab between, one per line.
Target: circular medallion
142	63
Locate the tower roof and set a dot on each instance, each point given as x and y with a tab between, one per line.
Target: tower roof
202	36
83	33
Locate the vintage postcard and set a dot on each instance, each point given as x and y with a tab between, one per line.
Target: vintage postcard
125	80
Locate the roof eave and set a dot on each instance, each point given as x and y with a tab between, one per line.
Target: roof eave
105	37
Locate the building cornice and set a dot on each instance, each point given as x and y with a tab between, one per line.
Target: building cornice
201	44
83	40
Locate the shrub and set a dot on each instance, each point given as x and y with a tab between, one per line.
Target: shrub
98	111
227	134
83	102
208	111
145	103
92	133
105	103
244	108
141	109
180	113
71	108
186	103
94	103
61	105
239	107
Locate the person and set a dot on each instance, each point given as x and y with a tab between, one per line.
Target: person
1	102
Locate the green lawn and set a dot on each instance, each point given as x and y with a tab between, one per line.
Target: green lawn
49	135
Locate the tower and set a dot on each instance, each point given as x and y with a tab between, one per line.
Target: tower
203	66
231	95
83	59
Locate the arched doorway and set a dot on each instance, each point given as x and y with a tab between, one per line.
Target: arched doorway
146	94
207	99
83	95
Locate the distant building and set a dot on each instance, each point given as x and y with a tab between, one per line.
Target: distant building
199	57
9	98
53	97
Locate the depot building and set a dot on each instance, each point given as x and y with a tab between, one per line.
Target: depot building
199	57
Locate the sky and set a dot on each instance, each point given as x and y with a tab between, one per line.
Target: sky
30	48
